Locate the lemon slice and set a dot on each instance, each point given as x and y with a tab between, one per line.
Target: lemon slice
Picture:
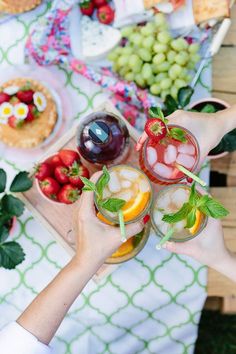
196	226
124	249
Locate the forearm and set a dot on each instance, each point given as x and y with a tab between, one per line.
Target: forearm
227	266
227	120
45	314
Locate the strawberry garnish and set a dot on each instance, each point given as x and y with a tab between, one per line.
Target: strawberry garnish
13	122
32	114
4	97
25	96
156	129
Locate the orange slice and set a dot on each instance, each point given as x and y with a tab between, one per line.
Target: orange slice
135	206
103	219
124	249
196	226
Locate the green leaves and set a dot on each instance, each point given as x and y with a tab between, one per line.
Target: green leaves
112	204
180	215
171	105
213	208
11	254
4	232
103	181
208	108
12	205
184	96
3	180
178	134
21	182
88	185
156	112
191	218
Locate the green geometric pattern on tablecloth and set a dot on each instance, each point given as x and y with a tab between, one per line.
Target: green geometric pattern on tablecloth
151	304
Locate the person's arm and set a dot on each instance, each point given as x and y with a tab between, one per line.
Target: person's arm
95	242
209	249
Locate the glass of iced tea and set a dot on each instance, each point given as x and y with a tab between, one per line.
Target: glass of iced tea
159	160
133	186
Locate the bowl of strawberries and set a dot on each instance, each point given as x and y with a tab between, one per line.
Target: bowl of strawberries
58	177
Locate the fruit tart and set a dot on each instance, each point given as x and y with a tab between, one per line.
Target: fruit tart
16	6
28	113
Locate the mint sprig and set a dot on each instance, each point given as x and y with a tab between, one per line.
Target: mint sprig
205	204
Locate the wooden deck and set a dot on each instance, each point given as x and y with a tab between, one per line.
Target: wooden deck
220	288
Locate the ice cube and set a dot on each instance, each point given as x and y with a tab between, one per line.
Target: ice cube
164	227
179	226
126	184
163	202
106	193
114	183
186	149
158	215
129	174
151	155
126	195
185	160
144	186
180	196
163	170
170	154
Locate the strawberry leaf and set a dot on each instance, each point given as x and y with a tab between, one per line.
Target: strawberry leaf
21	182
12	205
4	232
184	95
3	180
11	254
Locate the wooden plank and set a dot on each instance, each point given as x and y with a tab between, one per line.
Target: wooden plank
224	70
229	305
226	164
230	38
227	97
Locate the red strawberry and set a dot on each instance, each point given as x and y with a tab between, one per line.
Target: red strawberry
68	194
14	123
55	161
189	179
86	7
68	157
31	114
61	174
42	171
76	171
155	129
25	96
4	97
99	3
50	187
105	14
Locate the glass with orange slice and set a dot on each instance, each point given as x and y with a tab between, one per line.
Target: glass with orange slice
170	200
131	185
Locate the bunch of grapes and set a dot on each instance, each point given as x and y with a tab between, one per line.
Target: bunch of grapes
153	59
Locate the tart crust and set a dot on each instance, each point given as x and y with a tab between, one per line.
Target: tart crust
33	133
18	6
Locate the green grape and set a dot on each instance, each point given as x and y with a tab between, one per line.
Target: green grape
123	60
182	43
164	66
191	65
124	70
158	58
164	37
183	74
195	58
164	93
171	56
188	78
160	77
179	44
174	71
139	80
136	38
145	54
129	76
155	68
145	31
193	48
160	20
148	42
151	80
182	58
165	84
146	71
117	50
115	67
134	61
155	89
160	47
174	91
127	31
127	50
179	83
112	56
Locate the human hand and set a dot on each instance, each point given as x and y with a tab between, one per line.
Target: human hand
204	126
95	240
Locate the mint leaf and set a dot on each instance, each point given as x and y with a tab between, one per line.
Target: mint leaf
191	218
88	185
202	201
21	182
12	205
4	232
184	95
178	134
103	181
11	254
208	108
214	209
194	197
180	215
112	204
3	180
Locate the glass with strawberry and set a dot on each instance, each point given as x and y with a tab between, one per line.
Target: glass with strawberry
169	152
123	195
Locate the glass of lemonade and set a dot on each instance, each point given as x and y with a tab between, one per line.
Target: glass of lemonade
170	200
133	186
158	160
